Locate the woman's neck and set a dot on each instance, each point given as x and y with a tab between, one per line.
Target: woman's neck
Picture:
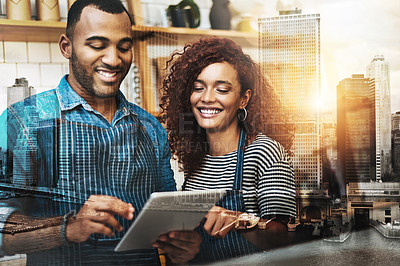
222	143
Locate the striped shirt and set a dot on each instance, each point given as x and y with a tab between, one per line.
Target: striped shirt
268	179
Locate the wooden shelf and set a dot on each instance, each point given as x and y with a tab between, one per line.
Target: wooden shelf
189	31
31	30
187	34
50	31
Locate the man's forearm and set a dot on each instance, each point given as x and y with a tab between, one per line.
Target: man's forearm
23	234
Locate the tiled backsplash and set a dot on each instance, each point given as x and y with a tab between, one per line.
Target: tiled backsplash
41	63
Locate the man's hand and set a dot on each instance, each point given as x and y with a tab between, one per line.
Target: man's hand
97	216
220	221
180	246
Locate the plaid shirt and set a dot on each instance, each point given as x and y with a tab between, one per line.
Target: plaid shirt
43	163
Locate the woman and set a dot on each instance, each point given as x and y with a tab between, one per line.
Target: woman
221	114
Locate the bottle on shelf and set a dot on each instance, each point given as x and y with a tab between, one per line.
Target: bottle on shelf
48	10
18	10
220	16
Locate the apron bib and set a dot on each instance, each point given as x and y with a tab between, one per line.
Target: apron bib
118	161
234	244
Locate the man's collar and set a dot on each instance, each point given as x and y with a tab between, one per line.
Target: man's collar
69	99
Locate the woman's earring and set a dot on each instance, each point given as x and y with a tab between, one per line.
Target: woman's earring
242	116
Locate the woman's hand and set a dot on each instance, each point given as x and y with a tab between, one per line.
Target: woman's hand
220	221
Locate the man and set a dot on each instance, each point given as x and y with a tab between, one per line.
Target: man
76	155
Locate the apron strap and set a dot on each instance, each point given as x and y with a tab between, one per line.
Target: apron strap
237	185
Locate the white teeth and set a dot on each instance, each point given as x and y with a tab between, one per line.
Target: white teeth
107	74
210	111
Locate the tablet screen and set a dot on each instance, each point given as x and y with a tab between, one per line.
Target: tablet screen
168	211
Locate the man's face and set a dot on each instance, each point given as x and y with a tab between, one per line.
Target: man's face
101	53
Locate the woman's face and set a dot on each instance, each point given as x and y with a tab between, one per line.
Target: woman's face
216	98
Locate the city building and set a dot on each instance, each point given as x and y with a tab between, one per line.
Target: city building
355	130
335	186
396	145
373	202
289	53
19	91
396	121
378	73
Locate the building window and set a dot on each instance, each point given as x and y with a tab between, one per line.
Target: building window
387	212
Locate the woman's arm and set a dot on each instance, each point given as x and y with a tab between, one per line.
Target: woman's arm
276	197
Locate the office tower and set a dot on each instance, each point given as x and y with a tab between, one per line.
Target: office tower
335	186
24	169
289	52
19	91
355	130
396	144
396	121
378	73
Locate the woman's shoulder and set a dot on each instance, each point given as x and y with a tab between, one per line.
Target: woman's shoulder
266	148
262	142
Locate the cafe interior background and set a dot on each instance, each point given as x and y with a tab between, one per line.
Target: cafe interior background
351	36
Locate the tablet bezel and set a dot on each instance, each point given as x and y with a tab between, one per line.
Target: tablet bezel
168	211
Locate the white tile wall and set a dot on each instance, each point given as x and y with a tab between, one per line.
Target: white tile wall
38	52
65	68
1	52
15	52
3	106
8	74
51	74
31	72
55	54
42	89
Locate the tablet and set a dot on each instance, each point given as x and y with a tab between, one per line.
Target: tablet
168	211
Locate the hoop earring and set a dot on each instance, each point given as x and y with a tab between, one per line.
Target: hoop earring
244	115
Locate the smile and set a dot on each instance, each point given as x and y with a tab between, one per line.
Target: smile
209	111
107	74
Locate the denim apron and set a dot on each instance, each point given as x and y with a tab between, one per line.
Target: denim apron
119	161
234	244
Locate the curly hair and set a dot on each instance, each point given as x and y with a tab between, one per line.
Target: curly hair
188	141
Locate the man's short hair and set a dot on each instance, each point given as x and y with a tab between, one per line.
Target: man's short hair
109	6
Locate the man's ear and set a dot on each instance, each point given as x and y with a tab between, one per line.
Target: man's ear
65	45
245	99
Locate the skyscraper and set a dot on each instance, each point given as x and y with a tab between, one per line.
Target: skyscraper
355	130
19	91
396	144
396	121
378	73
289	51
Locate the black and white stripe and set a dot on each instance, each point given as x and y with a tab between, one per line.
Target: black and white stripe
268	178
